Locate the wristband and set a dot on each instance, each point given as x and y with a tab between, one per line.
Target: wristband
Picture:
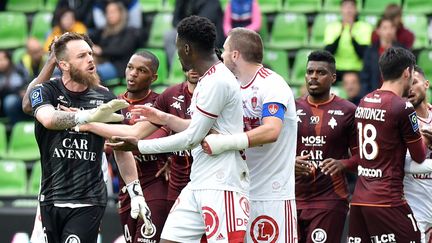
134	189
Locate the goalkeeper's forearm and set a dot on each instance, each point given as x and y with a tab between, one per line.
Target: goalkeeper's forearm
412	167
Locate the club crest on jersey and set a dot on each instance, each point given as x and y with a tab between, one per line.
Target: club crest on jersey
319	235
211	220
36	97
273	108
413	121
254	102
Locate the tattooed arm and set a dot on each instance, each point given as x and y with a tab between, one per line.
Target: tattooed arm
54	119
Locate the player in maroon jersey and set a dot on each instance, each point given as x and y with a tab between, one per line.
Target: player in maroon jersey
324	120
386	127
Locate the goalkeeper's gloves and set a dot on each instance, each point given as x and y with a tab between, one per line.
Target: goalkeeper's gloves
218	143
139	207
102	113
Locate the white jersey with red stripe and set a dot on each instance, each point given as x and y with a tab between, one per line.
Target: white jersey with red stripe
271	165
418	188
217	96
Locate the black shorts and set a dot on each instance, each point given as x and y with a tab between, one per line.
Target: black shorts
71	224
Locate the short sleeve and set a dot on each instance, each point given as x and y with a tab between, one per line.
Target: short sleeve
408	123
160	102
276	91
211	98
40	95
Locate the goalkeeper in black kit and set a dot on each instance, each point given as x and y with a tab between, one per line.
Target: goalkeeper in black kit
73	194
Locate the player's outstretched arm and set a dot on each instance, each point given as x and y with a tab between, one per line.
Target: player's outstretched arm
43	76
60	120
412	167
156	116
191	137
139	130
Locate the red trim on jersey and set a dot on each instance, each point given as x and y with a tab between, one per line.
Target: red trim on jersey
210	71
372	205
286	222
207	113
236	236
253	79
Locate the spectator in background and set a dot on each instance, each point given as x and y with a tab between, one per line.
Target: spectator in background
352	87
185	8
370	76
81	8
34	59
133	8
403	36
242	13
348	39
115	43
64	21
12	80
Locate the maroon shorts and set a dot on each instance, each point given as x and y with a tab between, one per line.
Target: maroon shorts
382	224
132	228
320	225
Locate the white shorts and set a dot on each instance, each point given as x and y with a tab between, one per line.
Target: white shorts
425	227
272	221
220	216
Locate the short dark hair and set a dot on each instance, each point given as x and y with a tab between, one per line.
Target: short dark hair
248	43
198	30
418	69
323	56
60	44
149	55
394	61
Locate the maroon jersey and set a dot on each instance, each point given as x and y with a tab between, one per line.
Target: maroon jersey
325	130
176	101
386	123
147	164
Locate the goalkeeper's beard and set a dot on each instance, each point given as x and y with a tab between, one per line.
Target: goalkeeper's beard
89	79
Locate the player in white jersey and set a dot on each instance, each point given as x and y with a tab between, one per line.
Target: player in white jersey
418	186
215	202
270	125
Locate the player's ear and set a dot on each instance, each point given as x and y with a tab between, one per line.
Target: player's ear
64	65
154	77
187	48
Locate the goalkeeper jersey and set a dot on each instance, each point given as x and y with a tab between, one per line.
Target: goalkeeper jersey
71	161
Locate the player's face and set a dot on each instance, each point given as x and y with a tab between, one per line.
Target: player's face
227	56
418	89
319	78
79	63
183	51
139	74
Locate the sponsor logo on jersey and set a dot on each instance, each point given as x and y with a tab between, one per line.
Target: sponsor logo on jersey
36	97
96	102
336	112
273	108
73	239
220	237
264	229
314	120
368	172
300	112
413	121
408	105
211	221
319	235
372	100
384	238
62	100
313	140
332	123
354	240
